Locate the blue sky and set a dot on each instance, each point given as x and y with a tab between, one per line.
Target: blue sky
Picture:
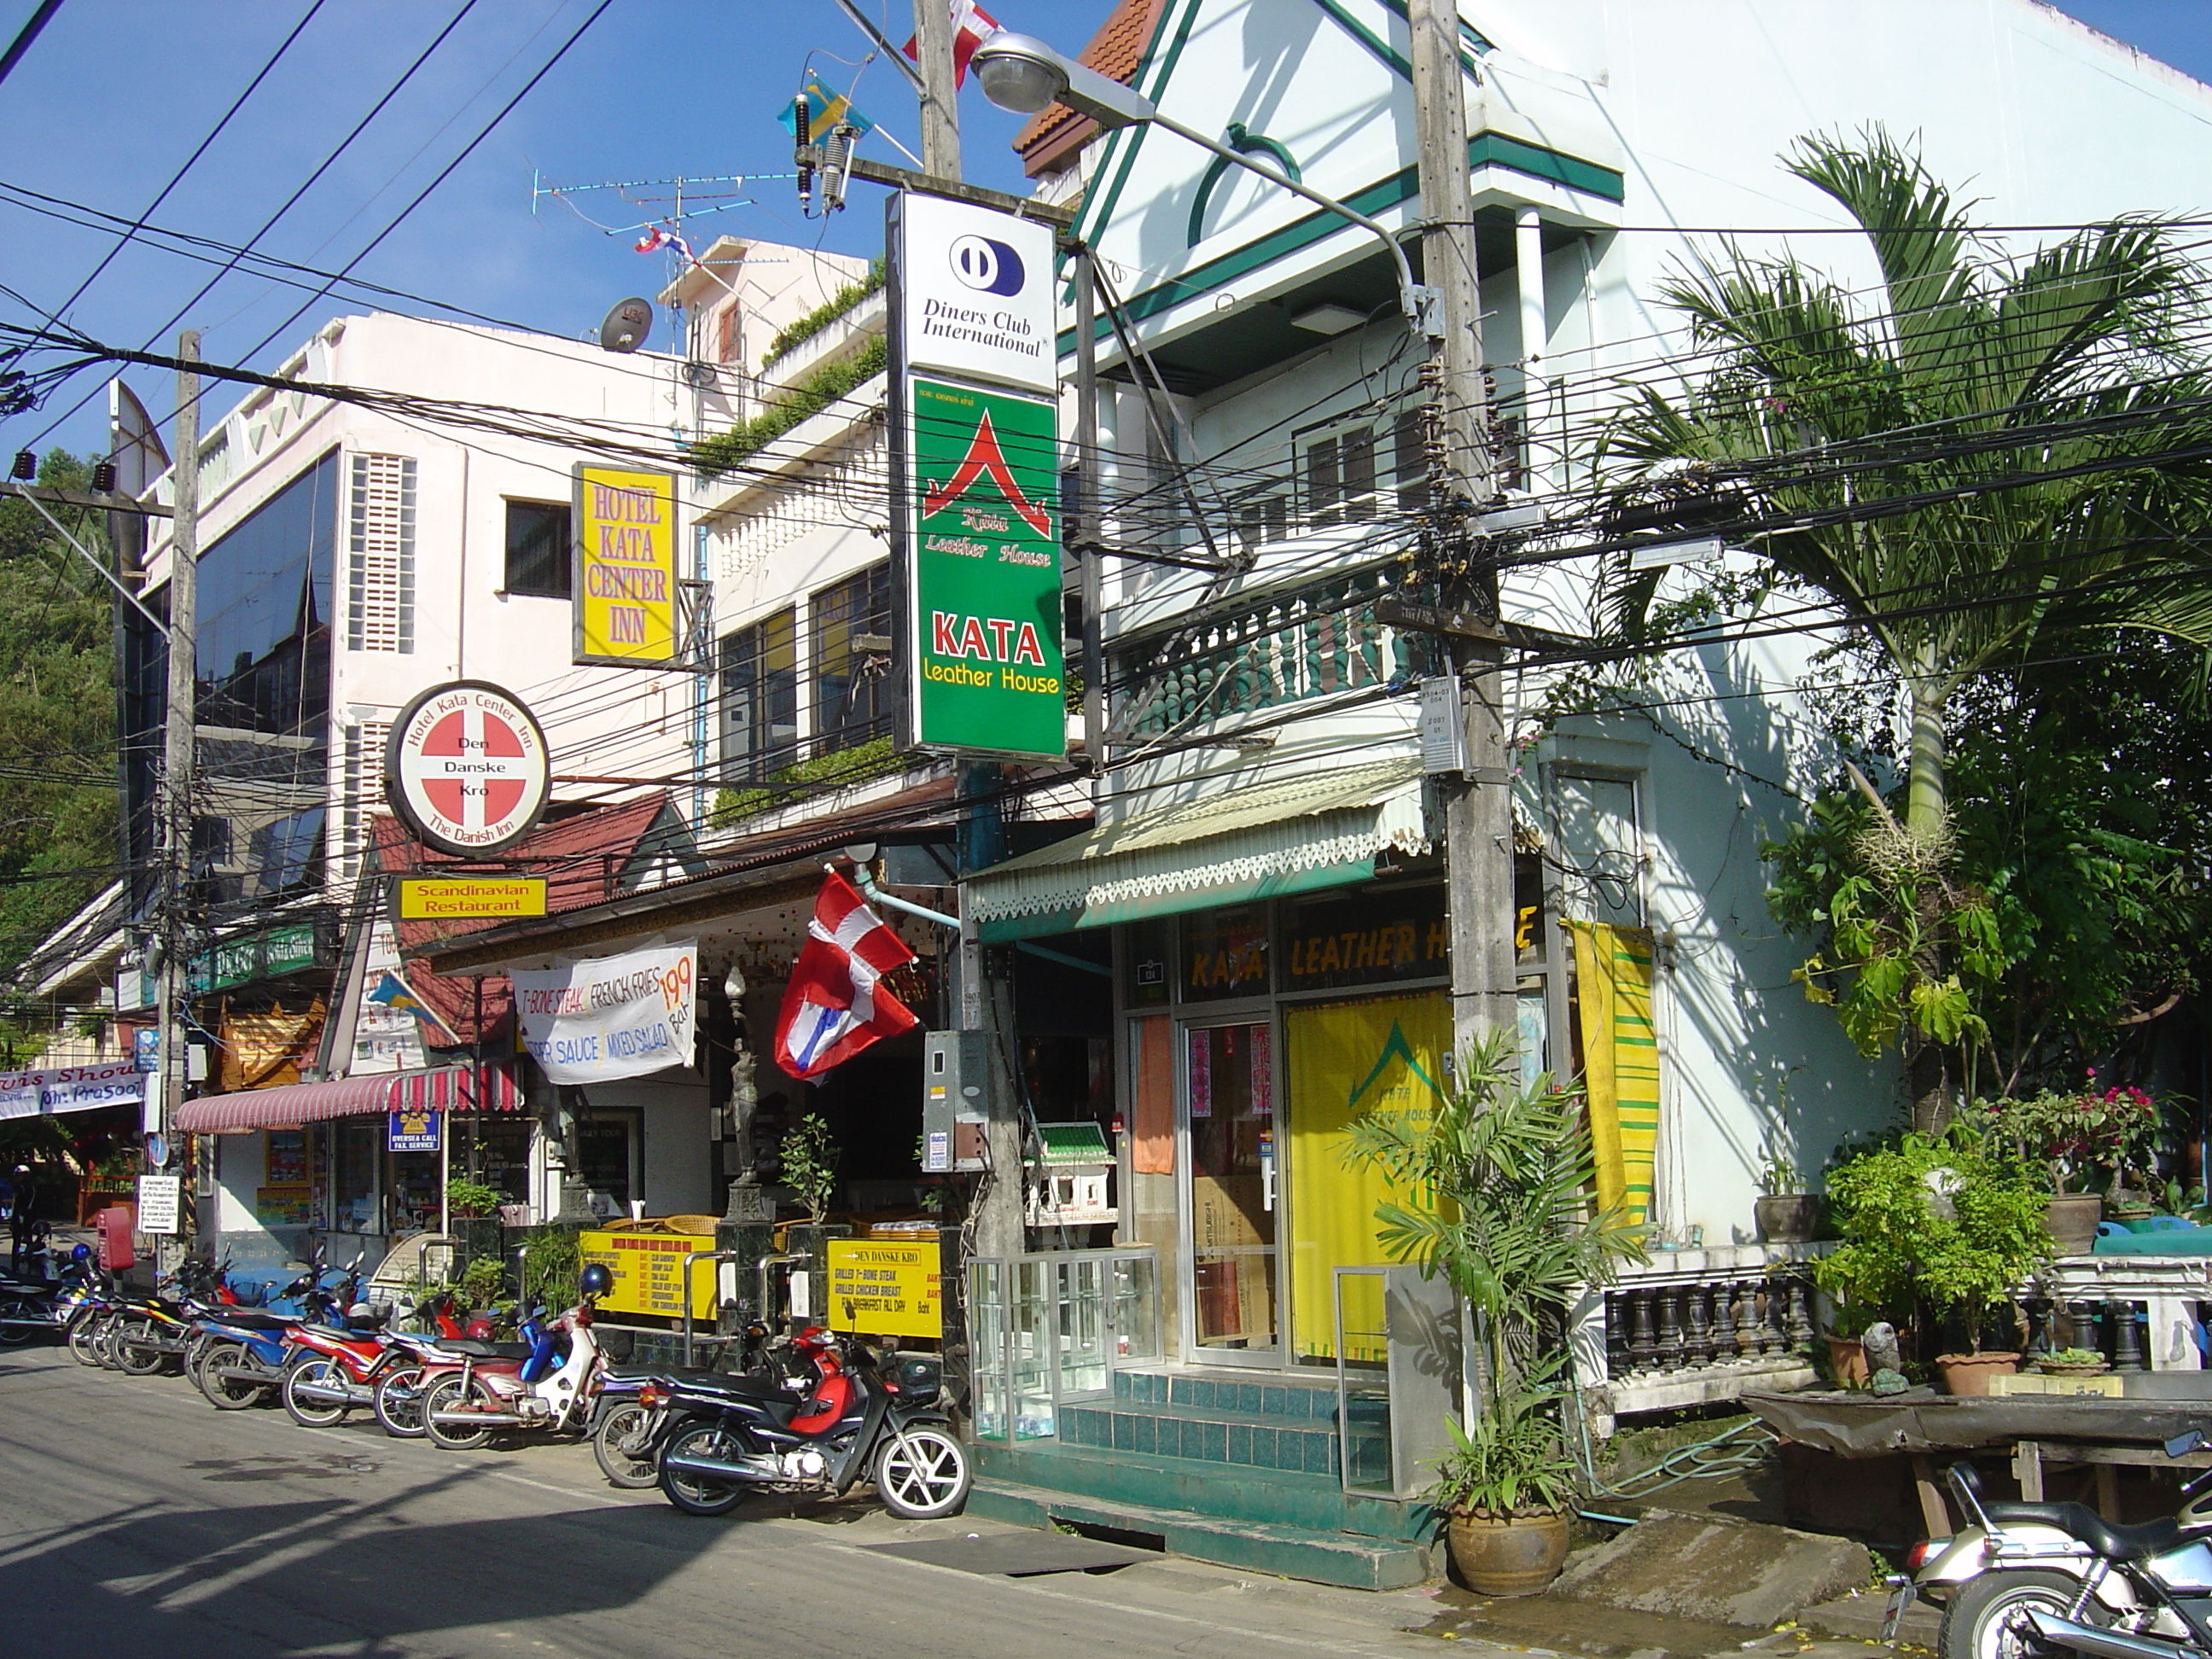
117	92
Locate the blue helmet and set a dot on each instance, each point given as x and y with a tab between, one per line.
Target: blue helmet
82	1253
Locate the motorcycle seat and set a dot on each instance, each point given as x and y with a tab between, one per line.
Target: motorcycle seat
246	1320
635	1376
2108	1538
746	1387
477	1349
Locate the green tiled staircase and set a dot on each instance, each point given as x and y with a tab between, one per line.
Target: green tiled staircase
1238	1469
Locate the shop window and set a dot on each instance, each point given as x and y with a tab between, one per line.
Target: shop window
760	698
851	686
1366	938
355	1205
537	551
610	1153
494	1149
1602	844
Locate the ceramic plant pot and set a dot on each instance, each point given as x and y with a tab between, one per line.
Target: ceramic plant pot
1967	1375
1787	1218
2071	1220
1847	1362
1519	1556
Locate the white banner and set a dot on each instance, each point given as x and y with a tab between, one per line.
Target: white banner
159	1203
71	1089
604	1017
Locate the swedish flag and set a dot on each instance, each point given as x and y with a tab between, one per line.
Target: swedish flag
824	109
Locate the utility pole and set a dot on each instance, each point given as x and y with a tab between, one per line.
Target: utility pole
174	822
1478	806
940	113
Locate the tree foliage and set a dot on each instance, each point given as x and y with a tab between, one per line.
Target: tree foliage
57	809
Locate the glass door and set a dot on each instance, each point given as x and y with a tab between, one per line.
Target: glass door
1230	1290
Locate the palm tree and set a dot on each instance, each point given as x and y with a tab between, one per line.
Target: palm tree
1986	456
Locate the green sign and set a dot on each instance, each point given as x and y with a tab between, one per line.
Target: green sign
983	565
265	955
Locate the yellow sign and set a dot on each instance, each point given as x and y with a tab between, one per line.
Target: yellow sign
649	1272
626	587
469	898
884	1289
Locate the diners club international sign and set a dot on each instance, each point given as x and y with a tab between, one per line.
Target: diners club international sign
467	769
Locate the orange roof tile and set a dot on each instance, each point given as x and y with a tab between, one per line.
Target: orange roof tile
1054	134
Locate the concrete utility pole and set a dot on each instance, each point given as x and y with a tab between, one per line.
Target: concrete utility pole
940	113
1478	806
174	822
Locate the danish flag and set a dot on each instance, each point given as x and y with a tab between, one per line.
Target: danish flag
836	1005
971	27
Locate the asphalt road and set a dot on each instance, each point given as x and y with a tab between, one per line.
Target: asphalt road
136	1523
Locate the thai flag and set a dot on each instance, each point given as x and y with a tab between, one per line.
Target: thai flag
659	236
971	27
836	1005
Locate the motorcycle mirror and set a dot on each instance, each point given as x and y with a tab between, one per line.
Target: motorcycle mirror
2182	1444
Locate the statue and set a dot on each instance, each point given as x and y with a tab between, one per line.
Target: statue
747	1201
1883	1358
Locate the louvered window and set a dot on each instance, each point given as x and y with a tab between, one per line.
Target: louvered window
380	555
363	776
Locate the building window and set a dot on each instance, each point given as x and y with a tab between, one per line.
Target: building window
760	698
537	562
1338	468
1601	843
728	335
380	555
852	703
362	775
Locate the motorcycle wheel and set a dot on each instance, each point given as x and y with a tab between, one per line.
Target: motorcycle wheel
444	1395
923	1475
104	1344
312	1413
227	1393
137	1349
696	1494
14	1336
82	1332
398	1403
1984	1618
623	1444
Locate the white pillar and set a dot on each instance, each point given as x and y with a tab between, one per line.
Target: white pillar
1529	275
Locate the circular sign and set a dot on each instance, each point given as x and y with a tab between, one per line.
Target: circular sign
157	1150
467	769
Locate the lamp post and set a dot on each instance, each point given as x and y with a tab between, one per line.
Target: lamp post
1021	73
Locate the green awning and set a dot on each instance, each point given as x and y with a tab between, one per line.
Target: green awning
1236	842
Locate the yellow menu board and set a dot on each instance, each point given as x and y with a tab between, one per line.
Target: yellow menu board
649	1272
885	1288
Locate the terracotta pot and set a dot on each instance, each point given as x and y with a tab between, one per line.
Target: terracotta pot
2071	1220
1847	1362
1787	1218
1969	1373
1520	1556
2049	1368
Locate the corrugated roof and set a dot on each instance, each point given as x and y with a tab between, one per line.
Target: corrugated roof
1056	133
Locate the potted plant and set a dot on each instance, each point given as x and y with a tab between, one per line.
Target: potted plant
1786	1213
2071	1137
1935	1222
467	1200
1492	1192
810	1171
2072	1362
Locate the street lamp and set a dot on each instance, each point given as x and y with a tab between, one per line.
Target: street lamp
1021	73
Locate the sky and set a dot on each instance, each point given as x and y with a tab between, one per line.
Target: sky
116	96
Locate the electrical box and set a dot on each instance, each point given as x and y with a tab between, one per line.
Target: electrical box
957	1095
1443	726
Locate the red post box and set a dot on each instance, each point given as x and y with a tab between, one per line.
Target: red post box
115	1223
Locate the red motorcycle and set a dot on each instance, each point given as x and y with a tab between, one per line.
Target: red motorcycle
334	1371
729	1436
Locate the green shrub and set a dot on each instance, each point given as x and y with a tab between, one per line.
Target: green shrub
727	451
844	300
863	760
466	1198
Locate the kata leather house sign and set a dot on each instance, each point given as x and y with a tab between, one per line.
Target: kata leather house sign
467	769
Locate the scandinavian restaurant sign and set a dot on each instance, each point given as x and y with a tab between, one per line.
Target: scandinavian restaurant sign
467	769
625	578
603	1018
469	898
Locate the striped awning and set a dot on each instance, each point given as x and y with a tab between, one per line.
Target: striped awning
440	1088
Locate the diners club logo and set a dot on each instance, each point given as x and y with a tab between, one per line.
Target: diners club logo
467	769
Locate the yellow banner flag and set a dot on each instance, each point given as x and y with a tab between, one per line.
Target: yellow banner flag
1620	1057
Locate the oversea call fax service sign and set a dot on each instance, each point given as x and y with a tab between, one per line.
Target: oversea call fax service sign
466	768
977	291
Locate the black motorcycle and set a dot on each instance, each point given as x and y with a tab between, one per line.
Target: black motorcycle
728	1436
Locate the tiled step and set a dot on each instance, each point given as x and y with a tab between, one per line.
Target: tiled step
1315	1502
1305	1444
1358	1563
1257	1393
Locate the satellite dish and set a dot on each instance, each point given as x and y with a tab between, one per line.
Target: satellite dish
627	325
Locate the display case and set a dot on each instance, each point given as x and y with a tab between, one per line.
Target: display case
1054	1325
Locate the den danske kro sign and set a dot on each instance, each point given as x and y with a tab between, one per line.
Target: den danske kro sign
467	769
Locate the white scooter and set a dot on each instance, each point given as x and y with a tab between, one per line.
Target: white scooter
549	1393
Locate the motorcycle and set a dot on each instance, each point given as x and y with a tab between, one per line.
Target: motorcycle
732	1436
629	1418
399	1400
44	1301
549	1391
2027	1579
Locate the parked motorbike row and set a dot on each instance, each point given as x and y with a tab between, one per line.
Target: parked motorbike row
812	1413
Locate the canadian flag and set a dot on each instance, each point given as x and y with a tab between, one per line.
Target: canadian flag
834	1006
971	27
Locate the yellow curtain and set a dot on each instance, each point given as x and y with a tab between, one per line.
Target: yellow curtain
1620	1060
1384	1053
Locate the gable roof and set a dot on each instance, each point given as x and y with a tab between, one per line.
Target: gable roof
1056	133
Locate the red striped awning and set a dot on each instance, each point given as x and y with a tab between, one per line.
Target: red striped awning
440	1088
